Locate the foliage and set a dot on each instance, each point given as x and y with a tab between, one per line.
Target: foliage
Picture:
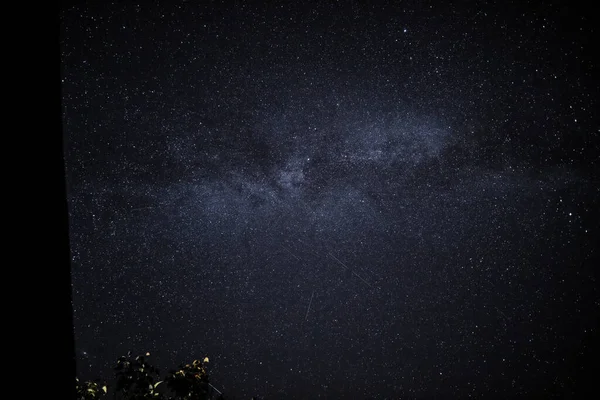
190	381
137	379
89	390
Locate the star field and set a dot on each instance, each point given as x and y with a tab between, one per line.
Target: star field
335	200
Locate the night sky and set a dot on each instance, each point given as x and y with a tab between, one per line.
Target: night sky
336	200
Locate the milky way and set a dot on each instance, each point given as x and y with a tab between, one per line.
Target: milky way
364	202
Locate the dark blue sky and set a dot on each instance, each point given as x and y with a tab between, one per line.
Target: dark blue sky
335	201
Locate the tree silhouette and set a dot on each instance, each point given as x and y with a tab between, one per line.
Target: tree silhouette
137	379
190	381
89	390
